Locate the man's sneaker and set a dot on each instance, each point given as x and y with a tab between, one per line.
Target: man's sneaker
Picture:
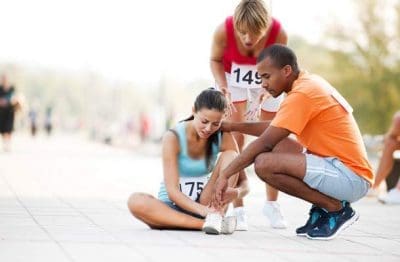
315	215
272	211
241	219
228	225
213	224
392	197
332	223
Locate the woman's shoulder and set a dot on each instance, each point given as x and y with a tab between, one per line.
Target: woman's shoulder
170	143
220	34
173	134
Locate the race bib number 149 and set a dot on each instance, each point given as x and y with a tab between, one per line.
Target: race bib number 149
245	76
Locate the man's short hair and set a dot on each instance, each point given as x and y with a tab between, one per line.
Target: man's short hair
280	55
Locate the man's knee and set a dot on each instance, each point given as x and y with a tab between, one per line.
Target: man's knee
262	166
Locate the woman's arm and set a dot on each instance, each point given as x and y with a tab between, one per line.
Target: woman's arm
217	53
242	187
170	151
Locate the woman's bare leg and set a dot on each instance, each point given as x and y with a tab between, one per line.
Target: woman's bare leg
158	215
238	116
223	161
391	144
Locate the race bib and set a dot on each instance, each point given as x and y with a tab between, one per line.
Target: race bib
338	97
342	101
244	76
192	186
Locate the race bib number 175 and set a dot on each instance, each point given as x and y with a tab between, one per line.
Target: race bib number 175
192	186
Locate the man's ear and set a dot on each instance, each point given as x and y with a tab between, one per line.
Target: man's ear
287	70
193	112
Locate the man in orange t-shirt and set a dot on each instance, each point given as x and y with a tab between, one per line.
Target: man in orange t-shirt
332	172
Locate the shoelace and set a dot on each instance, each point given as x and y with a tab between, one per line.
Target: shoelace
314	214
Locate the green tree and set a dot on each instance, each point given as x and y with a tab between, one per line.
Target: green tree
368	62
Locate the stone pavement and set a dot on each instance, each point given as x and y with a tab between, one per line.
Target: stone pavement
64	199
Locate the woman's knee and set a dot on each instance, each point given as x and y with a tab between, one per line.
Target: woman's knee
239	138
137	203
395	128
229	154
391	143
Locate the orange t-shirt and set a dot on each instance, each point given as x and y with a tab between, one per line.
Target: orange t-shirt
322	125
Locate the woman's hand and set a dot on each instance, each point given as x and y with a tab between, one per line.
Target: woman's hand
221	186
231	107
254	108
253	111
229	195
207	209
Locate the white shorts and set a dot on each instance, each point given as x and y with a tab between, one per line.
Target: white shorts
239	94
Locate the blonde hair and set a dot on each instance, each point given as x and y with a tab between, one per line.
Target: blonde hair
251	15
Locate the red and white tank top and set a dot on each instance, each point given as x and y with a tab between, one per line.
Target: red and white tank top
241	70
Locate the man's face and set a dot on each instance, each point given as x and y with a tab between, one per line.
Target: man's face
274	79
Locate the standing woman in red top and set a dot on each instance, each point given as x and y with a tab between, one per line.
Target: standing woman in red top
236	44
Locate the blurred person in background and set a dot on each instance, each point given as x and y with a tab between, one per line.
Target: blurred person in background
236	44
194	152
48	122
144	131
8	105
32	115
386	163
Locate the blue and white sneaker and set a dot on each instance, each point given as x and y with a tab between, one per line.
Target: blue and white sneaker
332	223
315	215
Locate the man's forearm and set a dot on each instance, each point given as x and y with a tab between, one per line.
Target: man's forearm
248	128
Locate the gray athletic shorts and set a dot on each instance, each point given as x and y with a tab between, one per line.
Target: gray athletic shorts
331	177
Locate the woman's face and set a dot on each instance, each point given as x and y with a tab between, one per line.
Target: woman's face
207	122
250	39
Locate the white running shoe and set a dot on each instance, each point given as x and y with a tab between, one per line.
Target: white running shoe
228	225
241	217
391	198
372	192
213	224
273	212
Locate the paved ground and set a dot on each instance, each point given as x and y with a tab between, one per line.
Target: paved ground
63	199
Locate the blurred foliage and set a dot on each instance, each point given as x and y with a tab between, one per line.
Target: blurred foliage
360	59
366	62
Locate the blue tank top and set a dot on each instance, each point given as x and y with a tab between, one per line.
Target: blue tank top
189	167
